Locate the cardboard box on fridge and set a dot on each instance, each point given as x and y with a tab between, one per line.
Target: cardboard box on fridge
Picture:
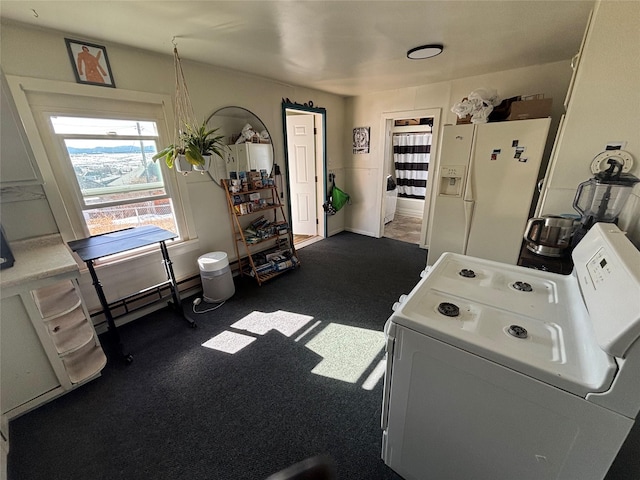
533	106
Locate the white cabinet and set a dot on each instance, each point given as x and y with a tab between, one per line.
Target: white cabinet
48	343
601	103
249	156
18	166
26	370
575	62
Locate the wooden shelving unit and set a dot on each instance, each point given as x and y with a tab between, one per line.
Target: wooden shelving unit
268	244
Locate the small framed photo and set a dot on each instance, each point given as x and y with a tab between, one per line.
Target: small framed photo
90	63
361	139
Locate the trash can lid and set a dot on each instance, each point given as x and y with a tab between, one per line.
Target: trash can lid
210	262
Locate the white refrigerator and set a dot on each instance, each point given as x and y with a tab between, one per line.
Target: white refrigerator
485	182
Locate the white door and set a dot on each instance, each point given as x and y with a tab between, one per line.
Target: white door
302	177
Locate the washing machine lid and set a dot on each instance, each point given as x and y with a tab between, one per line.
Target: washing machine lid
607	266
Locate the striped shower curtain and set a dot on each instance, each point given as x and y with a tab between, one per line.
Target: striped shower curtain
411	153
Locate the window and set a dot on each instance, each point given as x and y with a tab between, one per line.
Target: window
117	184
94	148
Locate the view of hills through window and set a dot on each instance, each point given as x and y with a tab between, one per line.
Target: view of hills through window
118	184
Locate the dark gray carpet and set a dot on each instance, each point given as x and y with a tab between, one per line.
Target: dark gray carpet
182	411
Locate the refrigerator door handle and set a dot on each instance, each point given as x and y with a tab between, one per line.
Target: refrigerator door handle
469	200
468	189
468	217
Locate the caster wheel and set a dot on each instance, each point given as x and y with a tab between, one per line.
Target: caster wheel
128	359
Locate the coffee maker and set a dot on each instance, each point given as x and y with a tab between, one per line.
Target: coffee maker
602	197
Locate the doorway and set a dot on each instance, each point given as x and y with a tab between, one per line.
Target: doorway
305	159
410	149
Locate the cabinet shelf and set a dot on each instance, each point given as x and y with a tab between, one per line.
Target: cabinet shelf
85	362
260	242
258	210
263	277
70	332
57	299
259	259
70	329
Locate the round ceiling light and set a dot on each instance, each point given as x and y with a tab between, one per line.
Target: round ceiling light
425	51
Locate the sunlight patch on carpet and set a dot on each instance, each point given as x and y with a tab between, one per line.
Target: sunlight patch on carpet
375	376
347	351
229	342
260	323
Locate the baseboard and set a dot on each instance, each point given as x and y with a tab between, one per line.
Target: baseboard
361	232
100	322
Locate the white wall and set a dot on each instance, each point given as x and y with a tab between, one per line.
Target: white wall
365	173
42	54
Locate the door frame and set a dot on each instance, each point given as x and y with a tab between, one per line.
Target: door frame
387	119
320	120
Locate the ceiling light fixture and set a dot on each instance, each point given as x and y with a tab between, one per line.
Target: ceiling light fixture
425	51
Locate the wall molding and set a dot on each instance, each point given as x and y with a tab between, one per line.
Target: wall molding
22	193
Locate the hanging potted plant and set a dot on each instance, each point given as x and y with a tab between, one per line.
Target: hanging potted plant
193	145
193	149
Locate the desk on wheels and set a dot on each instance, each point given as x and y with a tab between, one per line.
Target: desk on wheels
98	246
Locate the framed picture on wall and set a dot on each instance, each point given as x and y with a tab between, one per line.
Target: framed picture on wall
361	139
90	63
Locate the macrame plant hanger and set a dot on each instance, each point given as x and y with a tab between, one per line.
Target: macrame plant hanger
183	113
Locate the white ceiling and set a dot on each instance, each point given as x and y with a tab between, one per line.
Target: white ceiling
346	47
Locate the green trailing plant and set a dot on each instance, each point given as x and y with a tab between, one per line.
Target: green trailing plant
194	143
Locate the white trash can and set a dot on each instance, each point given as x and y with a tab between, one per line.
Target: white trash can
217	281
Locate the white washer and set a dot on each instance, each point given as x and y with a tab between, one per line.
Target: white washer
501	372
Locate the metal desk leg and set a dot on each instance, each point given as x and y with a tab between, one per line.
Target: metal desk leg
173	283
115	336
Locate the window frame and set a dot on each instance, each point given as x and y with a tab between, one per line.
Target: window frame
50	151
67	164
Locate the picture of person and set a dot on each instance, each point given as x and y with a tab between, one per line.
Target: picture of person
90	63
361	140
89	66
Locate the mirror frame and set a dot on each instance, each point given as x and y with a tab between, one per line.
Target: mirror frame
244	116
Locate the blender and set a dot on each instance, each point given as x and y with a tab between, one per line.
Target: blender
601	198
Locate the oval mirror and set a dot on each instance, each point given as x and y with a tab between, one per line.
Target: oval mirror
248	143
